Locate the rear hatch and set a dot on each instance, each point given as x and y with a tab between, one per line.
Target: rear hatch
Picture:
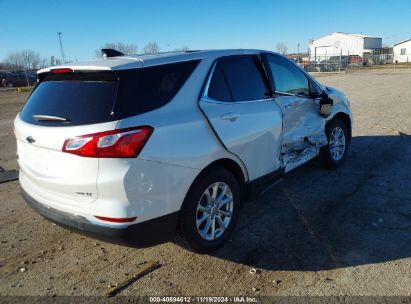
69	104
64	104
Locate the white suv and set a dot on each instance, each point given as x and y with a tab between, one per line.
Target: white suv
136	149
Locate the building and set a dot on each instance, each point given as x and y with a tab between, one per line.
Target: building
402	51
343	44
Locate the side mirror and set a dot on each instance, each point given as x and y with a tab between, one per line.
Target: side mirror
326	104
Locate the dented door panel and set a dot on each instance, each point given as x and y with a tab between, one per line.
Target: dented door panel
303	126
303	130
301	122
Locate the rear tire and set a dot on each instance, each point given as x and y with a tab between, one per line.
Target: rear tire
335	152
10	85
210	211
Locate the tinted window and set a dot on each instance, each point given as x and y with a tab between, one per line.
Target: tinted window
288	78
244	78
96	97
143	90
80	102
218	88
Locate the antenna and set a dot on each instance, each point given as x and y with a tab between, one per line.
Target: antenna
110	53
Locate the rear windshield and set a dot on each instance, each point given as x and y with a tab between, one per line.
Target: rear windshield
95	97
79	102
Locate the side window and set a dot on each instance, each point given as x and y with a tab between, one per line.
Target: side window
218	88
287	77
244	79
146	89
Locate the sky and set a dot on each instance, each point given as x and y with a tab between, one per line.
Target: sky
207	24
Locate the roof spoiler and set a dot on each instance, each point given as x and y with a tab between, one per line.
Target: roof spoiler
106	53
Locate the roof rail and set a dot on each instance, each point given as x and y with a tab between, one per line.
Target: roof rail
106	53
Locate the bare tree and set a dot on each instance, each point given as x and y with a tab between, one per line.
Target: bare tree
31	59
43	63
6	66
26	59
14	60
125	48
281	48
151	48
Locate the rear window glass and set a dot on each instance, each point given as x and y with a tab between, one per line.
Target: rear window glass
96	97
79	102
244	79
143	90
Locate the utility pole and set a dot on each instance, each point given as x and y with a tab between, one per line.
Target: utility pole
298	48
61	48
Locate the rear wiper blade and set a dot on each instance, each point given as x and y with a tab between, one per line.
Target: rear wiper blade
49	118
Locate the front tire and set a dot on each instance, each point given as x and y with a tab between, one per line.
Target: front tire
210	210
335	152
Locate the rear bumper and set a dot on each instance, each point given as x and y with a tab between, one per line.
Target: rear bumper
144	234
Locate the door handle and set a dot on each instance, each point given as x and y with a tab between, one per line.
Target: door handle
230	116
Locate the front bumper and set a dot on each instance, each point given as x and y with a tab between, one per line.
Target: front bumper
144	234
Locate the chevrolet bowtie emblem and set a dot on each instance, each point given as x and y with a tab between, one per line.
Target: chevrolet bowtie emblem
30	139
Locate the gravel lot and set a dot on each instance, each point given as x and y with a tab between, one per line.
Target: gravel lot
344	232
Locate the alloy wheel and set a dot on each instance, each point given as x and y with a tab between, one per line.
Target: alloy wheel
337	143
214	211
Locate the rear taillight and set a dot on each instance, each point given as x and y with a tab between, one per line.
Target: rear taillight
121	143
